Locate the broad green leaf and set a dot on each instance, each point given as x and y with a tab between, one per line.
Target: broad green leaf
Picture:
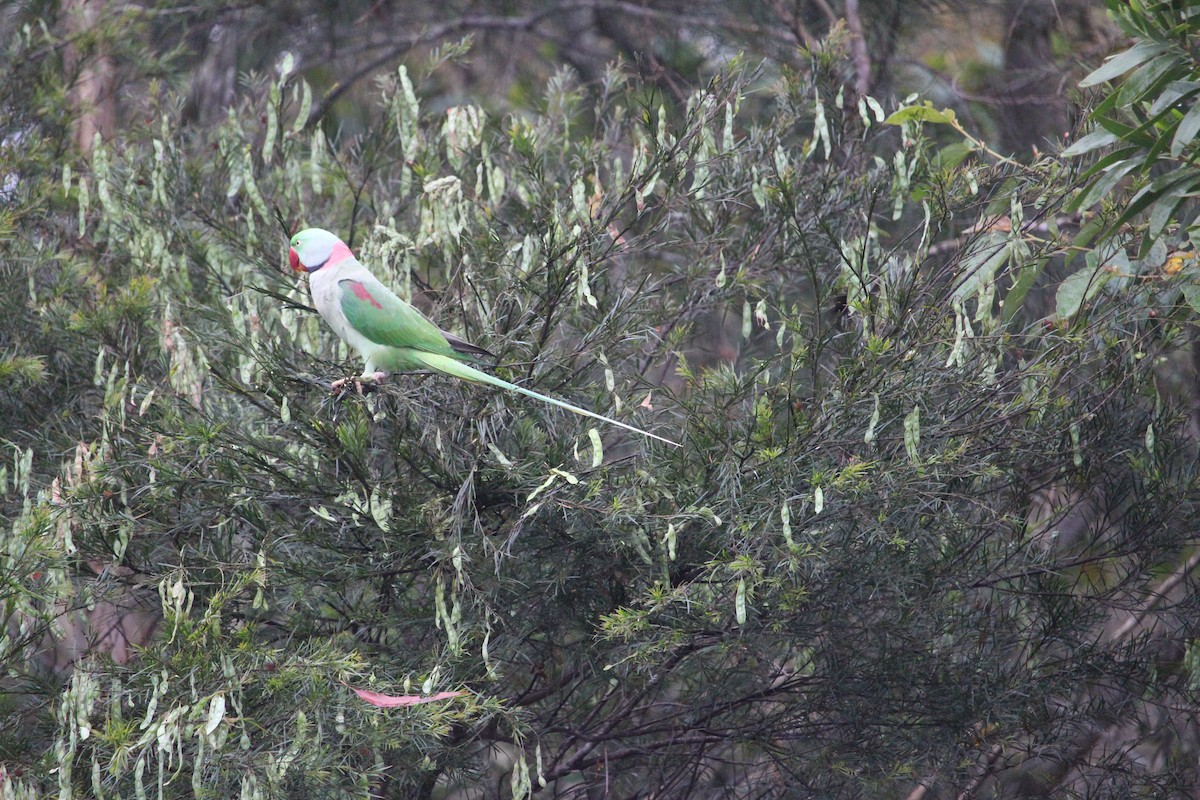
1191	293
1093	141
925	113
1133	134
1026	277
1185	134
1148	78
1153	192
1123	62
1106	163
952	155
1079	288
1091	229
1172	94
1104	185
1162	212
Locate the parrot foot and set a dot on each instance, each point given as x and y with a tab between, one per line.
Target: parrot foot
362	385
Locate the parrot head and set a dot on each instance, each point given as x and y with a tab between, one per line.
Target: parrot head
311	248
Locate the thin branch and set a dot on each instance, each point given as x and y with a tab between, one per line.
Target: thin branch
525	24
1157	596
431	34
793	23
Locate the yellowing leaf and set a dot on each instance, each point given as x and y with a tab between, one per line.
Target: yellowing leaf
1175	262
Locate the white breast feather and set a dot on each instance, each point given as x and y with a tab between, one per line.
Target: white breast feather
327	296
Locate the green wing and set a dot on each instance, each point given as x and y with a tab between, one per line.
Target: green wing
410	341
385	319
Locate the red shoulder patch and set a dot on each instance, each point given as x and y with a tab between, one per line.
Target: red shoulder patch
363	293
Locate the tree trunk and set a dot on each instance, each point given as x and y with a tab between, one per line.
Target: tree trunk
92	93
1036	110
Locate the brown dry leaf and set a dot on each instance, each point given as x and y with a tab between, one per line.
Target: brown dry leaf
596	201
1001	224
394	701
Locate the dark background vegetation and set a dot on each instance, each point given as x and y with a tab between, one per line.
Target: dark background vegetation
931	533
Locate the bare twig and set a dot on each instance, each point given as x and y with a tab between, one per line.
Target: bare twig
1156	597
793	23
526	24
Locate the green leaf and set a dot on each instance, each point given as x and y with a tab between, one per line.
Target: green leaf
1026	277
1091	229
1093	141
869	436
27	369
1112	158
1162	211
952	155
1130	133
739	602
1185	134
305	108
1123	62
912	433
1152	193
983	260
1103	185
1079	288
1156	127
1173	93
1148	78
1191	293
922	113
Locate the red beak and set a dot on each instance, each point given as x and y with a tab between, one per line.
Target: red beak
294	260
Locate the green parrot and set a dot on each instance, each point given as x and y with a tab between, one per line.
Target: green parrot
387	332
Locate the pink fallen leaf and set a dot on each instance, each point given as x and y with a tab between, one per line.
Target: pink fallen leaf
394	701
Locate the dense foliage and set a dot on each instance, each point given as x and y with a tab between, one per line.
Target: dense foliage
930	532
